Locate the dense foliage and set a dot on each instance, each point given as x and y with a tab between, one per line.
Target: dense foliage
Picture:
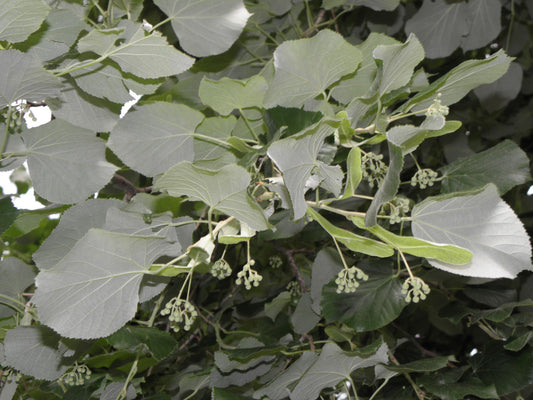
312	199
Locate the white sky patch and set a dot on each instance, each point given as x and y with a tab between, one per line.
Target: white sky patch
25	201
129	104
238	17
530	191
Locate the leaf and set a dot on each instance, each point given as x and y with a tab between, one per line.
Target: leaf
389	187
73	225
273	308
37	351
23	77
16	276
357	85
354	174
424	365
378	5
440	26
376	302
505	165
142	54
59	156
304	318
205	27
484	18
93	291
326	266
278	388
210	155
159	343
359	244
332	367
417	247
224	190
221	394
226	95
9	213
455	84
20	18
480	222
397	63
497	95
294	82
115	390
296	157
157	131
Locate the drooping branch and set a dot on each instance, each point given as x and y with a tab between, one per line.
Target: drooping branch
130	189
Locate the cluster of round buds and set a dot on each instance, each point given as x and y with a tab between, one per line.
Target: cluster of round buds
77	376
424	178
437	108
373	169
275	261
415	289
10	375
250	277
181	314
294	289
347	279
220	269
396	209
14	116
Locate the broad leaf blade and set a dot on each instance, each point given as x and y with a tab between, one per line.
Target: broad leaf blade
295	82
205	27
354	242
20	18
94	289
23	77
224	190
480	222
485	23
59	156
505	165
16	276
157	131
9	213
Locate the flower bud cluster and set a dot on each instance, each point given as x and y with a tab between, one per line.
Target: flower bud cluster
396	209
220	269
424	178
250	277
437	108
181	314
347	279
275	261
415	289
77	376
294	289
10	375
373	169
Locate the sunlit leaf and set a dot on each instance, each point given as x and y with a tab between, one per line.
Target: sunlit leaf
20	18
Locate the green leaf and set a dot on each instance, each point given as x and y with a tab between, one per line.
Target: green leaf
424	365
326	266
508	371
454	85
354	242
37	351
138	52
440	26
224	190
211	155
484	18
304	318
206	27
277	389
376	302
226	95
357	85
273	308
480	222
497	95
20	18
23	77
397	63
116	390
294	82
332	367
157	131
159	343
378	5
93	291
505	165
9	213
389	186
354	174
221	394
16	277
296	157
417	247
59	156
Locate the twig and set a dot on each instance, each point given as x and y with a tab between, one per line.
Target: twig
130	188
290	257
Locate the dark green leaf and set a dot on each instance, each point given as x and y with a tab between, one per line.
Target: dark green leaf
159	343
447	386
304	318
327	265
497	95
221	394
484	18
9	213
424	365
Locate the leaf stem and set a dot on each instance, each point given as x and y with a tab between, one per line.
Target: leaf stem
336	210
249	126
213	140
168	19
6	130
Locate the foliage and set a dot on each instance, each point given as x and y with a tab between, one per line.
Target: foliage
305	203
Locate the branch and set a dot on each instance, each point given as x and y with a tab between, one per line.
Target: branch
290	257
130	189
